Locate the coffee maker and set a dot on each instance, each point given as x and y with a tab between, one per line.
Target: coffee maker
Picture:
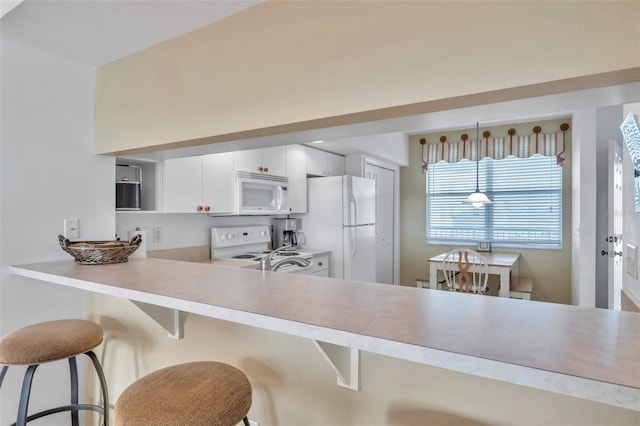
285	232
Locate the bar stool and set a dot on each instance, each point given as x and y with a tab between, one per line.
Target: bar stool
53	341
192	394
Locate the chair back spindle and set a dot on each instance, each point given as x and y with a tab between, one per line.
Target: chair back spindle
465	270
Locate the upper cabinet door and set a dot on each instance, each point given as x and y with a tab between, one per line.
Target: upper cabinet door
274	160
218	183
316	162
297	174
248	161
182	185
265	160
322	163
335	164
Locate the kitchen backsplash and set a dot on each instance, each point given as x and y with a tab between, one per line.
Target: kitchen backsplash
179	230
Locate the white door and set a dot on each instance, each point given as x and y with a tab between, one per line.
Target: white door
615	217
384	221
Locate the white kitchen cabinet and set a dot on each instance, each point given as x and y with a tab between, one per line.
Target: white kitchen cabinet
297	175
321	266
218	183
272	160
182	185
322	163
199	184
335	164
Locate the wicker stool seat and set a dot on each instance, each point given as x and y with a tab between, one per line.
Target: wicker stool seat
53	341
192	394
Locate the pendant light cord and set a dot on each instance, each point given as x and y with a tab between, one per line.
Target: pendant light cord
477	157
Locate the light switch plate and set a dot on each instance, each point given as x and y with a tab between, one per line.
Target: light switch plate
631	260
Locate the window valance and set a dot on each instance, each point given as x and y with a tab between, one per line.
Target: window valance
523	146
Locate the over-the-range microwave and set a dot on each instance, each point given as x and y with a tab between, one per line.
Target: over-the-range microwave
258	193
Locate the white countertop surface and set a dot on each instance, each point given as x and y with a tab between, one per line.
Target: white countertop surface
587	353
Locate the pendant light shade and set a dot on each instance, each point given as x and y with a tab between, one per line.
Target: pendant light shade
477	199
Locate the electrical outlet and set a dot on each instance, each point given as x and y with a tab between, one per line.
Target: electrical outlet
157	235
72	228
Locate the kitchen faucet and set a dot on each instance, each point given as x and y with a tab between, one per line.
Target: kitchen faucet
266	265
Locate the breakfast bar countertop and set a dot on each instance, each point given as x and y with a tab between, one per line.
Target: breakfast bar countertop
582	352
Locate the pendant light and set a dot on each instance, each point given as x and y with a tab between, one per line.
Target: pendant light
477	199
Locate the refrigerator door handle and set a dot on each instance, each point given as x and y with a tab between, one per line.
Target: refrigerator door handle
355	243
354	210
354	223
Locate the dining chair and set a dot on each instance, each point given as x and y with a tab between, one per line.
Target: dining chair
465	270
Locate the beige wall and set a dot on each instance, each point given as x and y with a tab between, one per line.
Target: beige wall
292	385
283	66
550	269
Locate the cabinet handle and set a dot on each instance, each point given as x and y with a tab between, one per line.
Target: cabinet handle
207	208
260	168
199	208
266	169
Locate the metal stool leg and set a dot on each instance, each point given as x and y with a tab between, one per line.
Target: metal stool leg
246	421
74	407
73	372
2	373
24	395
103	385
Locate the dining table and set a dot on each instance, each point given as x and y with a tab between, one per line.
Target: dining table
500	263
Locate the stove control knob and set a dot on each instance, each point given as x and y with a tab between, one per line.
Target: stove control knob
223	237
263	233
229	236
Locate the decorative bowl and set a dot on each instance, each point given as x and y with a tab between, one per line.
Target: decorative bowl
100	252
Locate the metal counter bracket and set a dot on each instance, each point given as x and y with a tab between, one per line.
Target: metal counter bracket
344	361
167	318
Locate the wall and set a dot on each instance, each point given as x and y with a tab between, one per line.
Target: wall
550	269
48	173
292	384
581	106
240	78
180	230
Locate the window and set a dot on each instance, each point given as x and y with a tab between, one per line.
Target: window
527	203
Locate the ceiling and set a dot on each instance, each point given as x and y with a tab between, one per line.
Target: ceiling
97	32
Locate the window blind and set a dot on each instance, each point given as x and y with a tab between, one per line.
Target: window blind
526	210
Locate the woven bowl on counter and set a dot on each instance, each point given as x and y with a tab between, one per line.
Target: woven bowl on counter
100	252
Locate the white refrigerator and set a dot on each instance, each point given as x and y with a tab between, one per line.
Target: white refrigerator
341	218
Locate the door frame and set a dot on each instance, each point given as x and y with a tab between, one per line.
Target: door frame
615	215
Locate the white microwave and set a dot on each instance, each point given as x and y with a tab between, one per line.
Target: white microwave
258	193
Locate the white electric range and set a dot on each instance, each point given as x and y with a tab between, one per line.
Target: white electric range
250	244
